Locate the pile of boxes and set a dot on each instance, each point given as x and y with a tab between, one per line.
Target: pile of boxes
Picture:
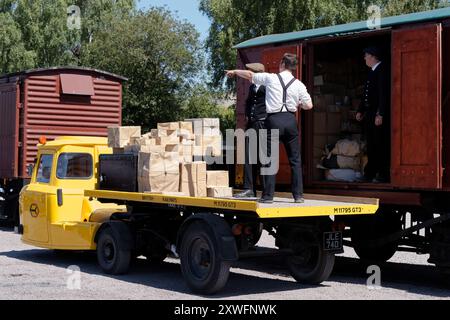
338	88
169	157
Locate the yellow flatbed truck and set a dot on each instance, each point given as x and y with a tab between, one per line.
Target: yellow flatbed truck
63	208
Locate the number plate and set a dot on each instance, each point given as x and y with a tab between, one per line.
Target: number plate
332	241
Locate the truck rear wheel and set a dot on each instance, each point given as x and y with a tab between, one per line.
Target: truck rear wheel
310	264
203	269
112	253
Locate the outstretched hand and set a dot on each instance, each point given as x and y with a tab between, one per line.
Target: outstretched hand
230	73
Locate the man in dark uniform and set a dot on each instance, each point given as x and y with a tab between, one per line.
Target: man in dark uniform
375	111
255	114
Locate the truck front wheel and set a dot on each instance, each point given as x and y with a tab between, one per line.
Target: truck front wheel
112	253
203	269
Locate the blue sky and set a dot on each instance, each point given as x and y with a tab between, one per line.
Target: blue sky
186	9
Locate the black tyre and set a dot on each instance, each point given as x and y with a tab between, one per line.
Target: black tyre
310	264
378	254
112	253
384	223
203	269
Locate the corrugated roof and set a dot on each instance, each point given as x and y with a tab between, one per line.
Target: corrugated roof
345	28
70	68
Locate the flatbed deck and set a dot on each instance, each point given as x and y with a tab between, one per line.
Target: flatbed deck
314	205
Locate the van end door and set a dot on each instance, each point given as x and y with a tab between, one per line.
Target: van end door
35	197
416	107
271	59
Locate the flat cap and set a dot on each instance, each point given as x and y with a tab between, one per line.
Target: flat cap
374	51
255	67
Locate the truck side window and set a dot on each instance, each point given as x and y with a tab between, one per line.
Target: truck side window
45	168
74	166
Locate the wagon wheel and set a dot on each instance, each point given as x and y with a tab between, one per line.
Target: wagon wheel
310	264
203	269
384	223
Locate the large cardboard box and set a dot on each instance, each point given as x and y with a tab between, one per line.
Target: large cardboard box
211	122
193	179
211	126
320	141
163	141
119	137
320	122
186	125
220	192
197	125
185	134
217	179
185	151
212	145
169	126
155	133
334	120
158	172
152	149
211	131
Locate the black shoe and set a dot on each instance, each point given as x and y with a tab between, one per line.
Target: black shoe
265	200
245	194
299	200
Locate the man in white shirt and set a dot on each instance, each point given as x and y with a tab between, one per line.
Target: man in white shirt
284	95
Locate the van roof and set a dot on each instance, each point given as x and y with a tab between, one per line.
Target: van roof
62	69
345	28
77	140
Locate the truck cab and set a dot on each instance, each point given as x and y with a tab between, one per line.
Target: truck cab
54	212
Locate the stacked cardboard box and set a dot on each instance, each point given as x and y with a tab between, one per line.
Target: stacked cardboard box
119	137
158	172
217	183
208	139
193	179
166	156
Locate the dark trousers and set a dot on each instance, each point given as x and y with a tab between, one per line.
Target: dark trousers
250	168
378	149
286	123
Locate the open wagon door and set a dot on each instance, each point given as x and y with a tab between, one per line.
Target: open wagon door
271	59
416	108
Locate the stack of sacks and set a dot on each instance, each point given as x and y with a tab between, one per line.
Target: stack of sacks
344	161
217	183
193	179
158	172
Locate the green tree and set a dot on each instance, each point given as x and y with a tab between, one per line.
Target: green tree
234	21
205	103
43	24
160	55
13	54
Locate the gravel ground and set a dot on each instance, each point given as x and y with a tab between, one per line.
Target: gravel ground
31	273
